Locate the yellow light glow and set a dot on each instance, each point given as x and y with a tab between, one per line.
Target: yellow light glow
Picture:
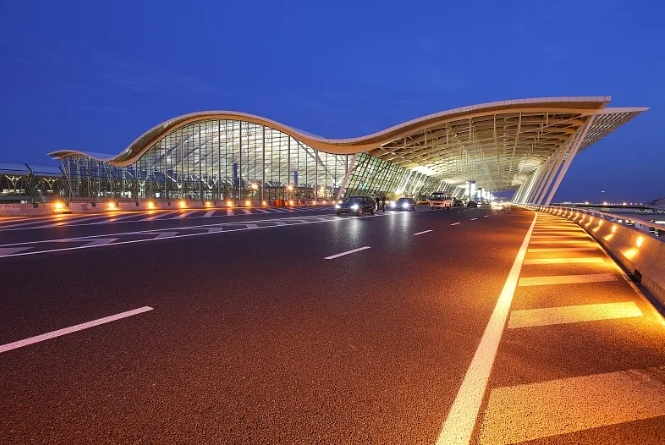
151	205
112	206
640	240
229	203
290	187
248	203
265	203
630	253
208	203
614	228
182	204
255	186
313	203
59	206
325	202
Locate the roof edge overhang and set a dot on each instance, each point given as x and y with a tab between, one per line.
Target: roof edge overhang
585	105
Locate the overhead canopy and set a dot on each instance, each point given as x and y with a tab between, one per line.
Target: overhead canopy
498	144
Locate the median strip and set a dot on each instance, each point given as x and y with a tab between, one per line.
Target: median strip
348	252
72	329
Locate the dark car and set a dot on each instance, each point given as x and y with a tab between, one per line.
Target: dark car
457	203
404	204
356	204
473	204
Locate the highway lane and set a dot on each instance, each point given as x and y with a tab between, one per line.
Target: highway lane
256	338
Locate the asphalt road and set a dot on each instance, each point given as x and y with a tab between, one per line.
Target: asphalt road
252	336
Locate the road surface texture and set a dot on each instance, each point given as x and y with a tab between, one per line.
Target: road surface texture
297	326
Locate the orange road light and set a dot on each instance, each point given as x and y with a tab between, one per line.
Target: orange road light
112	206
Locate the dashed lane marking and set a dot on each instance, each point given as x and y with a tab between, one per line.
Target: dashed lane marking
573	260
473	219
454	224
573	404
423	232
572	314
209	213
567	279
72	329
229	212
247	212
186	214
348	252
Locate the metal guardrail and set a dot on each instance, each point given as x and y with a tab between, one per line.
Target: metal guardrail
650	228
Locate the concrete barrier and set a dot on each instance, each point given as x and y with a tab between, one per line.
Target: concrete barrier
639	253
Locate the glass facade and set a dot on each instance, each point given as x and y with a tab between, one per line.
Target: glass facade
216	160
374	176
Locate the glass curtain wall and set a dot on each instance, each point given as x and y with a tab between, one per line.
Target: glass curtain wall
215	160
376	177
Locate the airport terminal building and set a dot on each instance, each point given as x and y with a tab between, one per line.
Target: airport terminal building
523	146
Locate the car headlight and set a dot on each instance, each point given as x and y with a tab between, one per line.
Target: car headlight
337	206
405	205
392	204
354	207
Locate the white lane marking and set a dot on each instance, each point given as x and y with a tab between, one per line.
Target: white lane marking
114	219
72	222
71	329
420	233
562	249
8	251
486	216
556	241
184	215
262	211
564	260
454	224
252	226
164	235
567	279
229	212
247	212
158	216
209	213
348	252
216	230
461	419
99	242
572	314
473	219
527	412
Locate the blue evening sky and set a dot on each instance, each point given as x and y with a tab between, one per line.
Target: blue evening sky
94	74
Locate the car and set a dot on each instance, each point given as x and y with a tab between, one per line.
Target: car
356	204
403	204
438	200
472	204
458	203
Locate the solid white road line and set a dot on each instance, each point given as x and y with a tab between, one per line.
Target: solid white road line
348	252
420	233
527	412
461	420
71	329
572	314
454	224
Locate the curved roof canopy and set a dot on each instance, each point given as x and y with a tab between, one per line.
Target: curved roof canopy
499	144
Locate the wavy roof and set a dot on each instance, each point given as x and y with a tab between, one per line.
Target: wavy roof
524	131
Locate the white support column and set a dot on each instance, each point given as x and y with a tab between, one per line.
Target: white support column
346	177
569	159
547	170
560	156
534	182
518	192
